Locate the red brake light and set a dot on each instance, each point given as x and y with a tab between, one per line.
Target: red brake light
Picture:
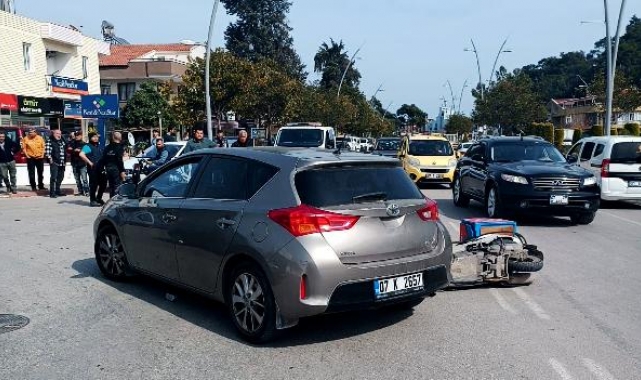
605	168
305	220
429	213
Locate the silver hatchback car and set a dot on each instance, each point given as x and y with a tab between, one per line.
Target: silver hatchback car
279	234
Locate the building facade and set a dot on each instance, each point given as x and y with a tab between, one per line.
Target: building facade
46	68
583	113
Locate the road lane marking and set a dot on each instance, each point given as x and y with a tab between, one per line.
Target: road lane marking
620	218
502	302
560	369
597	370
535	307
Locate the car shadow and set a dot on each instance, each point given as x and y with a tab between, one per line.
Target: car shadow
475	210
621	205
77	202
210	315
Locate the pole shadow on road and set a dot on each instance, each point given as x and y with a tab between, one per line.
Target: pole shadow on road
210	315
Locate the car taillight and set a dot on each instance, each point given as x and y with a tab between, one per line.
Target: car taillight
429	213
305	220
605	168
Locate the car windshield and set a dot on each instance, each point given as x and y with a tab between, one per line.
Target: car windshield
430	148
151	151
304	138
526	151
354	184
626	152
390	144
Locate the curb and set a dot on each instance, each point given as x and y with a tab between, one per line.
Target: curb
30	194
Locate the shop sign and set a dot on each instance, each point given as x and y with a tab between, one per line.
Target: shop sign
69	86
8	102
100	107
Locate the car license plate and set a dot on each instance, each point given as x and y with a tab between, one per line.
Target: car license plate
559	200
398	285
634	184
434	176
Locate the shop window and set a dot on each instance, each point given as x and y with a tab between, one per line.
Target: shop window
105	89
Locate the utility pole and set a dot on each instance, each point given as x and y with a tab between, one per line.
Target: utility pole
212	21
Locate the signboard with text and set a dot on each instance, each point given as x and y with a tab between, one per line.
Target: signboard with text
73	110
38	107
69	86
100	107
9	102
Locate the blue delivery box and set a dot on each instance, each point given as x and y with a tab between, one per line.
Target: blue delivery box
473	228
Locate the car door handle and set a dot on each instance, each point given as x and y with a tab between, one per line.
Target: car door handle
168	218
224	223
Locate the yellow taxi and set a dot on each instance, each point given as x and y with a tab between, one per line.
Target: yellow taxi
428	158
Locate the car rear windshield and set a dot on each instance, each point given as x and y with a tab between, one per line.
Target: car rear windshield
525	151
430	148
391	145
626	152
344	185
304	138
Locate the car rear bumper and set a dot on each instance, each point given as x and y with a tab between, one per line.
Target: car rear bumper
333	286
614	189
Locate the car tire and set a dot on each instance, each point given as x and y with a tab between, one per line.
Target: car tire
460	199
583	218
110	255
251	304
493	207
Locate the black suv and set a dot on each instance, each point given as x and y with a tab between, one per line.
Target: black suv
514	174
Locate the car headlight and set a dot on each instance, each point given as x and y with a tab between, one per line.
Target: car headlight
414	162
589	181
514	179
452	163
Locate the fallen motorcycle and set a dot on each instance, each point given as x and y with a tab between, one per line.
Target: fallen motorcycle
503	258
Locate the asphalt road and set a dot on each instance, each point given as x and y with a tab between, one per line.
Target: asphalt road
579	320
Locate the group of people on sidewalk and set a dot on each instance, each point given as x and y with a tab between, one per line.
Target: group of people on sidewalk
94	167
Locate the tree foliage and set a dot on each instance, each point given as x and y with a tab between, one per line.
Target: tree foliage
146	107
459	124
261	33
331	61
411	114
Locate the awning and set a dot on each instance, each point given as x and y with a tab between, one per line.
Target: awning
8	102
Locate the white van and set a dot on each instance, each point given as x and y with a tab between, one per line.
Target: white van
306	136
616	163
350	143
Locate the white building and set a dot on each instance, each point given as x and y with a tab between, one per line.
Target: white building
440	122
45	64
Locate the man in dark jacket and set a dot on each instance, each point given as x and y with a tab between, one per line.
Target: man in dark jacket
198	141
7	162
91	154
56	156
112	159
77	164
243	140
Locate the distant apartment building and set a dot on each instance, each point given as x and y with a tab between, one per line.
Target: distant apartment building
128	66
583	113
44	70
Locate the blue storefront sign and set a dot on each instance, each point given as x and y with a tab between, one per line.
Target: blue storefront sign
73	110
69	86
100	107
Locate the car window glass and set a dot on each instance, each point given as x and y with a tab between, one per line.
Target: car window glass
172	182
599	150
626	152
575	150
476	149
223	178
586	153
430	148
257	176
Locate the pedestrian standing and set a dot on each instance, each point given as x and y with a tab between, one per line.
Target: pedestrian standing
113	163
91	154
78	165
170	136
199	141
33	147
243	140
155	135
56	156
221	141
8	148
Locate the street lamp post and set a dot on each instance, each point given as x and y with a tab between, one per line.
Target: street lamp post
612	63
496	60
160	123
460	99
210	39
478	66
351	62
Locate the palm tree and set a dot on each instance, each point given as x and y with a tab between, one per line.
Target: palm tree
331	60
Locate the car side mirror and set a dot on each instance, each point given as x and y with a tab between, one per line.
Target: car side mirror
127	190
478	157
572	159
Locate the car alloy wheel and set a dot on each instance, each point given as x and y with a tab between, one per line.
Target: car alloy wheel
248	303
492	203
110	254
459	198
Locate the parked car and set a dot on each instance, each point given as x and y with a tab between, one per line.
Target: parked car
350	143
387	146
174	148
306	136
365	145
462	149
428	159
517	175
258	230
615	161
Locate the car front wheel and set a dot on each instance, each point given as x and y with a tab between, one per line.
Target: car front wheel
583	218
492	203
110	255
251	304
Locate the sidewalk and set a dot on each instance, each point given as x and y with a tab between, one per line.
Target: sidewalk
26	192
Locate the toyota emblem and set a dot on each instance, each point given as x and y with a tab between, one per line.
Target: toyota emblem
393	210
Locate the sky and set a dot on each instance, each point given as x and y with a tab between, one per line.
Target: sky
410	47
